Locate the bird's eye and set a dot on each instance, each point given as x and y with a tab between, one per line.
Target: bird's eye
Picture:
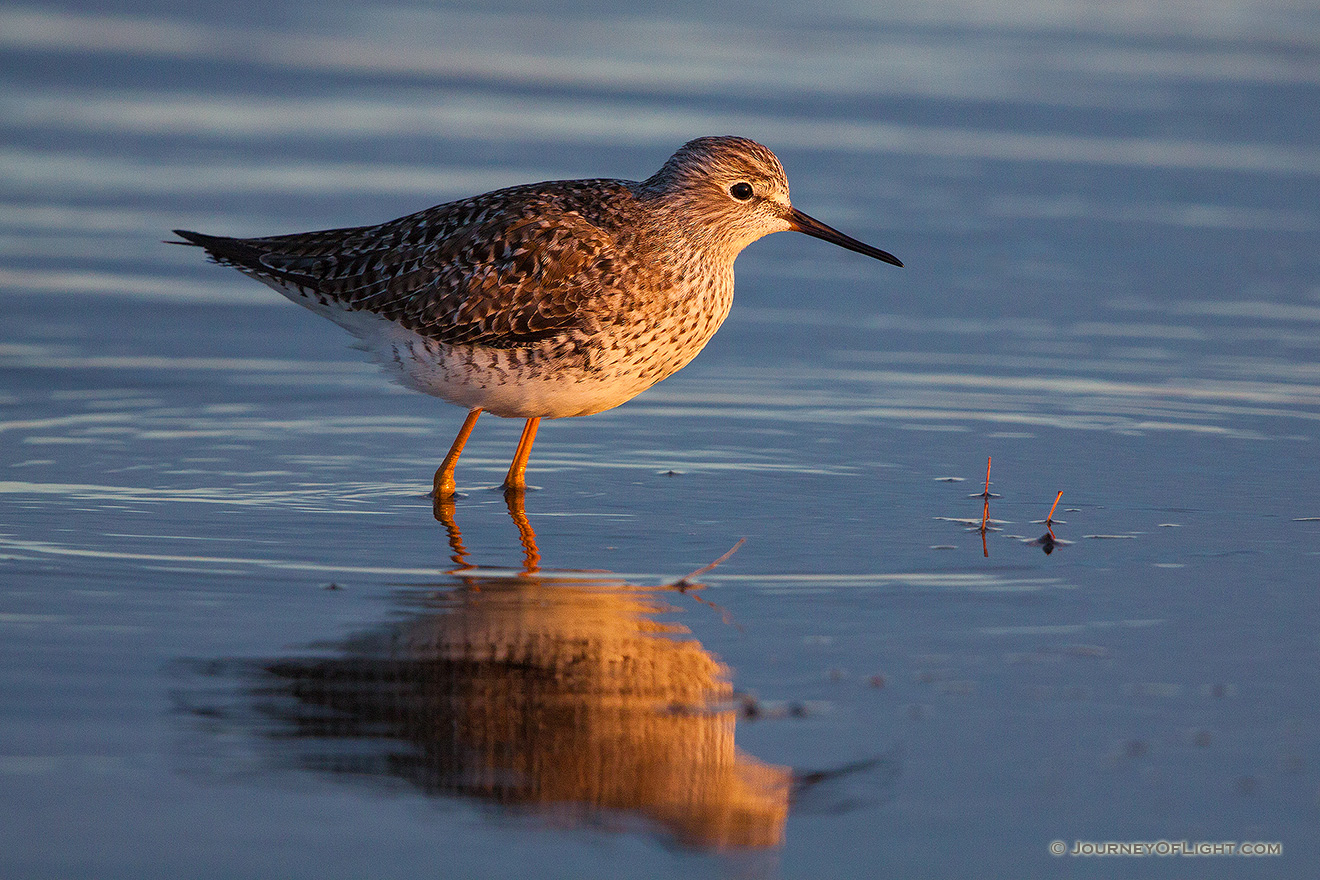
742	190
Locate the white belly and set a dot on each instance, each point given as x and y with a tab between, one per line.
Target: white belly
519	382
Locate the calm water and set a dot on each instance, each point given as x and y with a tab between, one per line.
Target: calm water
1110	217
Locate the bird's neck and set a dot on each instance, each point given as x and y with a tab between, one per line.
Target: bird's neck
689	218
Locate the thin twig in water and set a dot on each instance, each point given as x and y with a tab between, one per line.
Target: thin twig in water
686	582
986	493
1049	519
687	585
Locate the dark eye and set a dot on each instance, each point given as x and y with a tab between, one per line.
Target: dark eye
742	191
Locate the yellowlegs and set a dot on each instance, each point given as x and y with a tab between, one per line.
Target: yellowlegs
546	300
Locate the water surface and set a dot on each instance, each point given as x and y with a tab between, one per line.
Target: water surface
236	641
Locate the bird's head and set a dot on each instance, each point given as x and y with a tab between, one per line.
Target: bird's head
730	191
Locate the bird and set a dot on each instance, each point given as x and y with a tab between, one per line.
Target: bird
546	300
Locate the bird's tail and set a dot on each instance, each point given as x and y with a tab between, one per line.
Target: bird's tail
223	250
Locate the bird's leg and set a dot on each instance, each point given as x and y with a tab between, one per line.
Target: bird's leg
516	481
444	477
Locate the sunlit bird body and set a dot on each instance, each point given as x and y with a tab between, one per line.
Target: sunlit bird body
546	300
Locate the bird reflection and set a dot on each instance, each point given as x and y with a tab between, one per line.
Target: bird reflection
559	692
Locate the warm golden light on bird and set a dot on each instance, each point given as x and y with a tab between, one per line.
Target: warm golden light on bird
546	300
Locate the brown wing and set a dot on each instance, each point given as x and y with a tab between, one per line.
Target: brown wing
505	270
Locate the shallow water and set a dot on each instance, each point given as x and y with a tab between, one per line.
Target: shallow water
1109	218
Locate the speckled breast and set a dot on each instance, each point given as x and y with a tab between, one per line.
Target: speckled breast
579	373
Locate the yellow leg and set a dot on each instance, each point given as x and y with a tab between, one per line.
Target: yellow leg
516	481
444	477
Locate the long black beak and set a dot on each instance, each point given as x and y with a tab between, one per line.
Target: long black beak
800	222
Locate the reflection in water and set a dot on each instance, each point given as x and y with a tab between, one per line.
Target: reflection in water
557	692
1048	541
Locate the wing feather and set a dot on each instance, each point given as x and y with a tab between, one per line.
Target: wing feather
505	270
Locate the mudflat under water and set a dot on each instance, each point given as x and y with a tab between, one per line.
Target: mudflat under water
235	641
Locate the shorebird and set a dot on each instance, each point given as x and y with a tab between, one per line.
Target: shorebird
547	300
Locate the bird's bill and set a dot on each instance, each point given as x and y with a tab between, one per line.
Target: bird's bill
800	222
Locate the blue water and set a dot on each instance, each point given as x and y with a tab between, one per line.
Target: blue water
1109	218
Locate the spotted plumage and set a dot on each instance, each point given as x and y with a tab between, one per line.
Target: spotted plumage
545	300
